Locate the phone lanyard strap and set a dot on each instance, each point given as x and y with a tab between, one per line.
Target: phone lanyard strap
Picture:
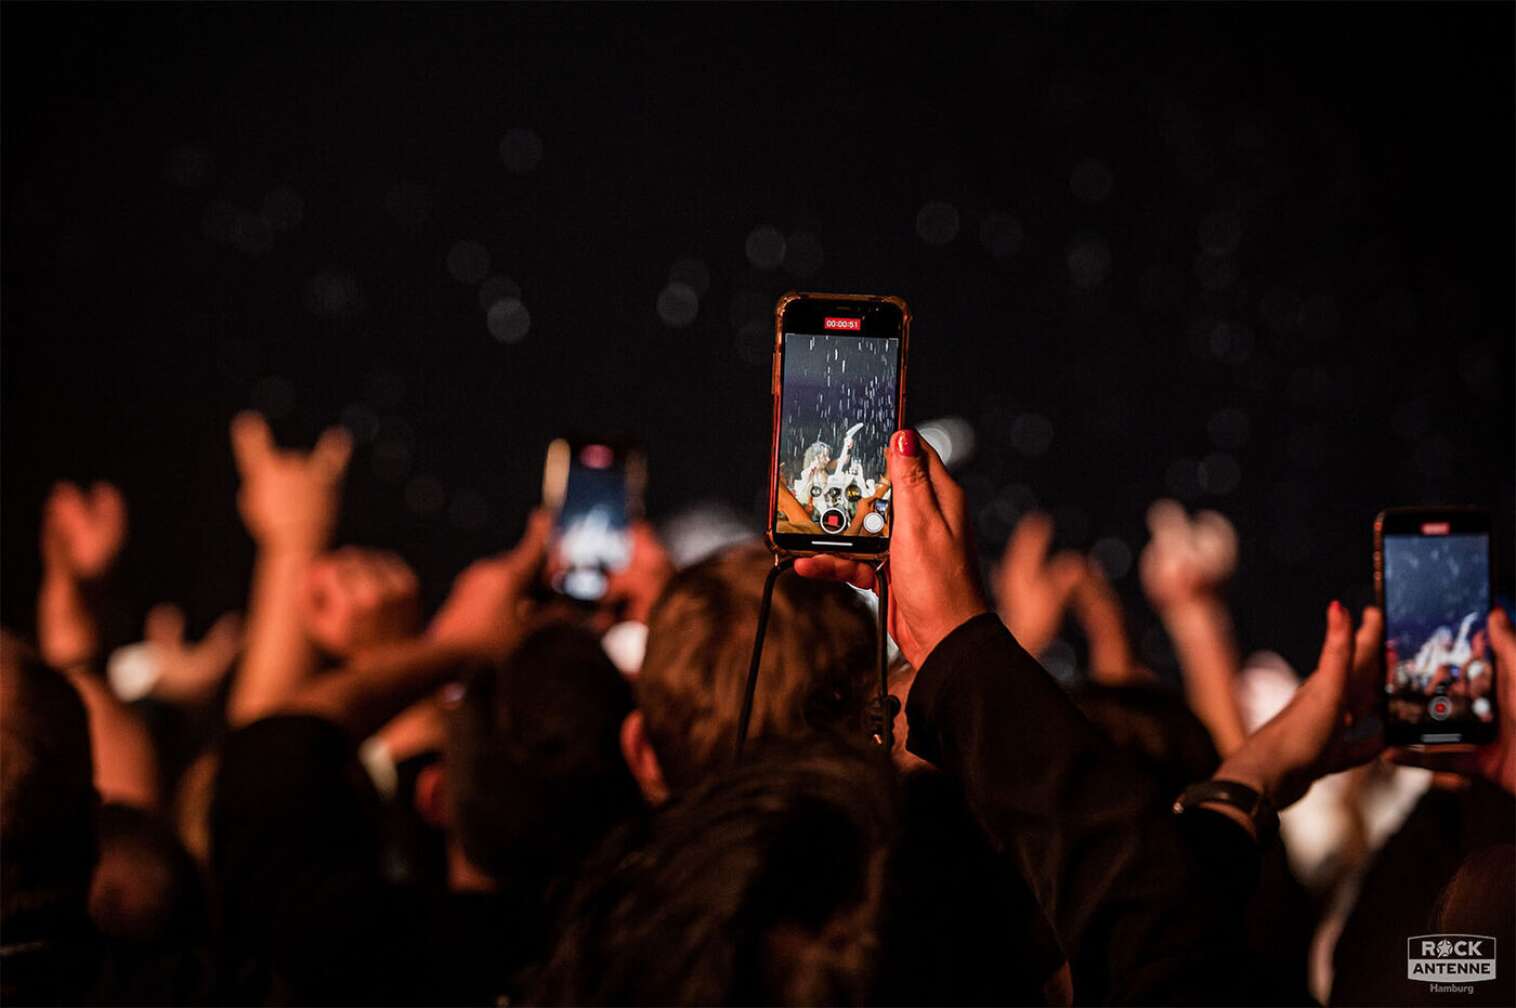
888	706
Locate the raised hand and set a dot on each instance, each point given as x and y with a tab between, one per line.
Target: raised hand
1186	558
1330	724
484	615
934	584
1031	590
82	533
357	598
1183	568
190	672
288	498
81	537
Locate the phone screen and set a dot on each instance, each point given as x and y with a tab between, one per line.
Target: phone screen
594	524
1438	665
839	402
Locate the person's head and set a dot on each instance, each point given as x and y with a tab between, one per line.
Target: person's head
817	671
534	775
47	797
147	887
819	451
762	886
807	875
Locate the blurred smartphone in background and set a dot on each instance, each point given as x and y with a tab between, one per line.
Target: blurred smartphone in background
1432	578
594	489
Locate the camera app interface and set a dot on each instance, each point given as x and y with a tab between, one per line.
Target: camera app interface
837	412
1437	651
594	538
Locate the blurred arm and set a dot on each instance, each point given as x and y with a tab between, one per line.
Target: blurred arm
289	503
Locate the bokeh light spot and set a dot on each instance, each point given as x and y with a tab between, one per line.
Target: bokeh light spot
678	305
521	151
764	247
468	262
937	222
508	320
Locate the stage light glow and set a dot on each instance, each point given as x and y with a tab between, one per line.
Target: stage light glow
521	151
937	222
678	305
764	247
497	288
1058	659
508	320
952	437
1089	260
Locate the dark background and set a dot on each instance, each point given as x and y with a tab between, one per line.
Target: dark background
1257	256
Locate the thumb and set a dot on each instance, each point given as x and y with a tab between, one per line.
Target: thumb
333	448
907	466
252	442
1336	650
164	626
528	555
1503	643
1065	572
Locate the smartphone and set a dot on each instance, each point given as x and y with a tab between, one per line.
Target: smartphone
1432	577
594	488
839	394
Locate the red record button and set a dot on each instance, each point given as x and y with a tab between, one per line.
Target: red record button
1440	708
833	520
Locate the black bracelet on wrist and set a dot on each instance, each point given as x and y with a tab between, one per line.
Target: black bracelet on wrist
1239	796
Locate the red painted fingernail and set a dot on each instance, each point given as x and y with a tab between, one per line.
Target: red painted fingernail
1335	607
905	443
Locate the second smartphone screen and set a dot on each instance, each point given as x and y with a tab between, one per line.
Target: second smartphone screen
838	410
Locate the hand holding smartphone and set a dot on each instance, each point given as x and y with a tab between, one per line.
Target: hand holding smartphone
839	393
1432	577
594	490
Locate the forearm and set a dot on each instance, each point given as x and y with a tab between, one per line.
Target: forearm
1201	631
278	657
1103	857
67	634
378	684
126	764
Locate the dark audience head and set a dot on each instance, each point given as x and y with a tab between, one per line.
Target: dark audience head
147	888
534	770
762	886
47	797
818	663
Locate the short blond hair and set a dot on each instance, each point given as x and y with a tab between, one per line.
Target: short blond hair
818	661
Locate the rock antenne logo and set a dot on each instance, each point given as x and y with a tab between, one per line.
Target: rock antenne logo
1449	957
